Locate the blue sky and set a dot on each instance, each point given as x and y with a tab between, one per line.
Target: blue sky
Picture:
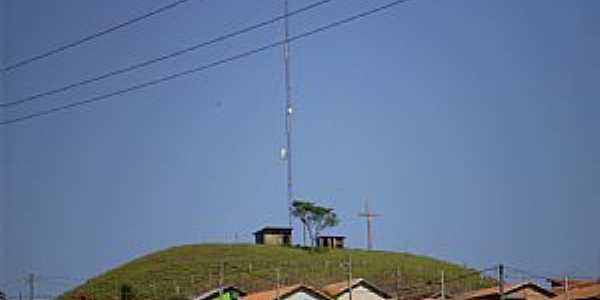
470	125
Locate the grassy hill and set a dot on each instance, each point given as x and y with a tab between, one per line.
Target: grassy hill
191	269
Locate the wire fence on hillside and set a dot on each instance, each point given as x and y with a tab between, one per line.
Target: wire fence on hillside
404	281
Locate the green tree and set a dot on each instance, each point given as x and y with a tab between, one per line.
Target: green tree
315	218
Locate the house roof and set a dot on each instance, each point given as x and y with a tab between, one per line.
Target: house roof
559	284
336	289
588	292
438	295
508	289
215	292
332	236
285	292
274	229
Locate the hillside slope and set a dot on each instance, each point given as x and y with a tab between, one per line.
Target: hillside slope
191	269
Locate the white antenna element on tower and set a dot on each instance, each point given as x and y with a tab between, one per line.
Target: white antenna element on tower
283	153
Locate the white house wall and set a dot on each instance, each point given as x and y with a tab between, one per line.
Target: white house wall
360	293
302	296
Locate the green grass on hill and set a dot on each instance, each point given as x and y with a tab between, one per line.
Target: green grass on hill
191	269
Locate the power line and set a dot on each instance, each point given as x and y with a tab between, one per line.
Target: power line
64	278
531	274
91	37
207	66
16	281
426	288
163	57
458	278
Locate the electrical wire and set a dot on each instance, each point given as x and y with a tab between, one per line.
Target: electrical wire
423	289
12	283
163	57
91	37
66	280
207	66
529	274
418	288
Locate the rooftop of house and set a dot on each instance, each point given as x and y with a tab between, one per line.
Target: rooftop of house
215	292
559	284
274	229
338	288
587	292
508	289
286	291
332	236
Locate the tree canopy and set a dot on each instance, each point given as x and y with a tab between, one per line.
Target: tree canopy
314	217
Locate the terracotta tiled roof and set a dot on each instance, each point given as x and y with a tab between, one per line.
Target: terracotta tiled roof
338	288
558	285
508	289
286	291
588	292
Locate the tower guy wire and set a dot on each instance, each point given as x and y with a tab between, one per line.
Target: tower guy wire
161	58
206	66
90	37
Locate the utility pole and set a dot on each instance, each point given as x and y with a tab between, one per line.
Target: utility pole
598	278
31	282
221	278
443	287
350	278
397	282
287	152
304	235
501	281
278	284
369	216
567	288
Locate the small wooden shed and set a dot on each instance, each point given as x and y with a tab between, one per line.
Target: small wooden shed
270	235
331	241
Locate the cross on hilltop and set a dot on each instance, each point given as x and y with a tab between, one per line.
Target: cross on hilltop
369	215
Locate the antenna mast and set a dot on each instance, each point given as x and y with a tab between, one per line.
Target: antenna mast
288	113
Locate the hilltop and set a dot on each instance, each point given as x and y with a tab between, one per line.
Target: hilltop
193	268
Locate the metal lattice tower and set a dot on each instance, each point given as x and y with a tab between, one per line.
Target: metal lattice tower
288	114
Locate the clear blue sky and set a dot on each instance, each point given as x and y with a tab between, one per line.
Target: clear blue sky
472	126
